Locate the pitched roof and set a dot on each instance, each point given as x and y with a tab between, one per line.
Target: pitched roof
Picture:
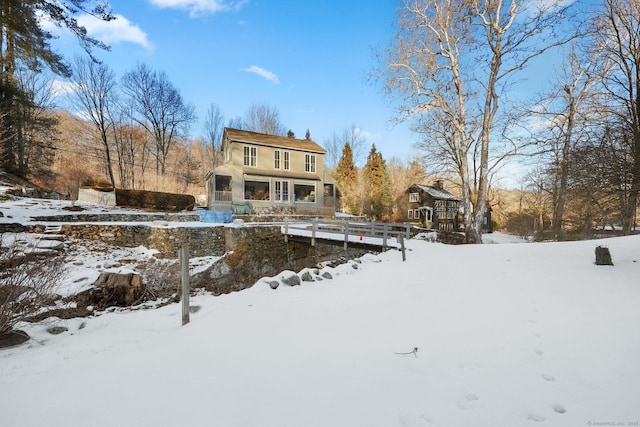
437	193
273	140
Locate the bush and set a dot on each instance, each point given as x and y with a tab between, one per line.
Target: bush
155	200
27	281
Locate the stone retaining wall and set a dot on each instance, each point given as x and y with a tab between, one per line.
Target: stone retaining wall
203	241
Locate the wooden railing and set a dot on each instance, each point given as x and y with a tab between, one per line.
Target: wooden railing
383	230
222	196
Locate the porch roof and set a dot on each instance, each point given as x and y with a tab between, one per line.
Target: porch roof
281	174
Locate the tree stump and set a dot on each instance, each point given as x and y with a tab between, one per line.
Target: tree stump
603	256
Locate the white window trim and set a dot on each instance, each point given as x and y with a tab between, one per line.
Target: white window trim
286	160
310	163
277	160
252	150
414	197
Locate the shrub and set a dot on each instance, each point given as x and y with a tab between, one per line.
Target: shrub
155	200
27	281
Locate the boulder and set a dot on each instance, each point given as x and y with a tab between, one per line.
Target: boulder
603	256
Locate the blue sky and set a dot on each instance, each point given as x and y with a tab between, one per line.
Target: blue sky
309	59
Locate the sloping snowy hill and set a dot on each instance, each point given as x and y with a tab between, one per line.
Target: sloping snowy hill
507	335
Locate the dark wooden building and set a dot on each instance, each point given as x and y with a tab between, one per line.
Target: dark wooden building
433	207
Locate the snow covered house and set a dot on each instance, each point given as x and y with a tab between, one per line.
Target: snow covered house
433	207
262	172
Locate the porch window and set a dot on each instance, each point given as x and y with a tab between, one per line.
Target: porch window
414	197
250	156
305	192
410	214
256	190
310	163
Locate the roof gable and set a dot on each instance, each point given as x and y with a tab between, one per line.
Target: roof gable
436	193
237	135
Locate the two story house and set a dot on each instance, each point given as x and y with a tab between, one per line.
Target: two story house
433	207
261	172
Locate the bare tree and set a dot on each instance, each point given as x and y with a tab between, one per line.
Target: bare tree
159	108
450	63
95	96
617	36
335	144
567	112
264	118
213	128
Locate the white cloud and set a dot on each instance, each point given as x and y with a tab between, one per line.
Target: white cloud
60	87
366	135
263	73
200	7
117	31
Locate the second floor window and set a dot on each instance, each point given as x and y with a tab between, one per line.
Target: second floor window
276	159
250	156
286	160
414	197
310	163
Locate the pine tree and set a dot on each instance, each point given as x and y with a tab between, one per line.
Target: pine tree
346	175
307	135
378	199
25	45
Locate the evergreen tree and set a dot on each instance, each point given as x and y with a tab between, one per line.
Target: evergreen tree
378	198
25	45
346	175
307	135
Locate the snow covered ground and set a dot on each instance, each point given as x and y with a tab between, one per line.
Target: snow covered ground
519	334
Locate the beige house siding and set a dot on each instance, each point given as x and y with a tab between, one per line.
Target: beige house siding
259	182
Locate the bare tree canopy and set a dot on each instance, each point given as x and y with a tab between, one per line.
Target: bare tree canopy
213	127
158	107
450	64
264	118
95	96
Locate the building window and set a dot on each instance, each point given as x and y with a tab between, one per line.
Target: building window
410	214
286	160
310	163
414	197
416	213
276	159
281	191
256	190
250	156
305	192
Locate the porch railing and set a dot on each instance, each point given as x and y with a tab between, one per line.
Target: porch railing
222	196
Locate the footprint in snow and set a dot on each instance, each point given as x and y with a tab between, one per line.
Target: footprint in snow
548	377
536	418
559	408
538	352
467	401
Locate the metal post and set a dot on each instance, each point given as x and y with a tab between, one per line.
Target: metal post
184	272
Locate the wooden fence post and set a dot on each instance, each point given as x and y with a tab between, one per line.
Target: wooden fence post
314	228
286	229
401	238
384	236
346	234
184	273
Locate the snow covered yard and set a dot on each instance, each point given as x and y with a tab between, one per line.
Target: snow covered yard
507	335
